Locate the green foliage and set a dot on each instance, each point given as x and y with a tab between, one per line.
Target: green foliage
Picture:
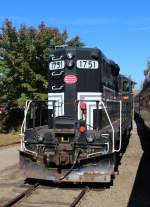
24	60
147	71
75	42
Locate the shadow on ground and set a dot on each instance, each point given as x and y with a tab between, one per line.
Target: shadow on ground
68	185
140	195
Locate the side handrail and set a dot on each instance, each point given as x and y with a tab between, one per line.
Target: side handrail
120	141
54	88
57	74
110	122
120	126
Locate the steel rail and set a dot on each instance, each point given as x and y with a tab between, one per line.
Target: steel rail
21	196
78	198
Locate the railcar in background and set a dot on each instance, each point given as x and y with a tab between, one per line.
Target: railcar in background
142	102
76	135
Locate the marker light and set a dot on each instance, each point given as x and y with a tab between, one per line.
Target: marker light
94	55
82	129
125	97
83	106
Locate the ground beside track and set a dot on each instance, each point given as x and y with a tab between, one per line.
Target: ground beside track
9	156
131	187
128	189
8	139
9	172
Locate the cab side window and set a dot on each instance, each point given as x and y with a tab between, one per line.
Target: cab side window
126	86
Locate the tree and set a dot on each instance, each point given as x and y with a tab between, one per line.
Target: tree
24	59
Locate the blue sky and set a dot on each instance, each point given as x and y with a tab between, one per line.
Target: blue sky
121	29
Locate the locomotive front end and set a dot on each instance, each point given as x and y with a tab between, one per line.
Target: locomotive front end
71	137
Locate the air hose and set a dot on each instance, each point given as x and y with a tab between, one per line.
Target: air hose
70	170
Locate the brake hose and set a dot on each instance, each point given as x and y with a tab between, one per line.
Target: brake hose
70	170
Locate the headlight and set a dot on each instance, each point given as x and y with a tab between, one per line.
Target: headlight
69	55
95	55
40	138
90	138
69	63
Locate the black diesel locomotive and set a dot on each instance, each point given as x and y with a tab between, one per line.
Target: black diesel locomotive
76	135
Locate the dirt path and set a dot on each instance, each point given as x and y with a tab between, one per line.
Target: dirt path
132	186
9	156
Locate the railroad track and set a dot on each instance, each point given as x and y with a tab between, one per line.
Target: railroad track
21	195
78	198
28	192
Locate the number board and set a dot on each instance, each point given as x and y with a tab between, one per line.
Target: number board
57	65
87	64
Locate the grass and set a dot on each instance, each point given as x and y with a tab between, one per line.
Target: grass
7	139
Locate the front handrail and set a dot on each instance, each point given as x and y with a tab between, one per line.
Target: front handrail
100	103
23	127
